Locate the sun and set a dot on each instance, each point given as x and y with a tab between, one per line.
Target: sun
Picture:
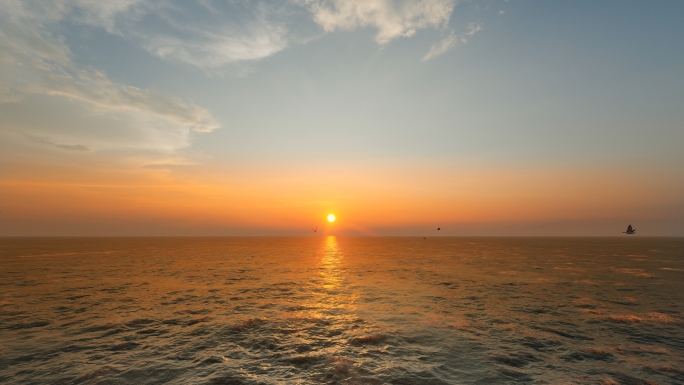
331	218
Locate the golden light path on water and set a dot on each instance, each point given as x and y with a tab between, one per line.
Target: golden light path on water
330	269
341	310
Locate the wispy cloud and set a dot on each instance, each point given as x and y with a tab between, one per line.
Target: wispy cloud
34	60
93	87
205	34
210	35
219	49
441	47
473	28
392	19
451	41
50	142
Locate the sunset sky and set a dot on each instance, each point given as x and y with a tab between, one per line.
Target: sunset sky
502	117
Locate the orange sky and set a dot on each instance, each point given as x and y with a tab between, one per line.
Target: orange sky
391	198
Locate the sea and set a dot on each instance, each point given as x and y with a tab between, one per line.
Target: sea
342	310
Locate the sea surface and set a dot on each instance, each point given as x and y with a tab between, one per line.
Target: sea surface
342	310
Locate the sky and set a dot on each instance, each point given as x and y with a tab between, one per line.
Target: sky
209	117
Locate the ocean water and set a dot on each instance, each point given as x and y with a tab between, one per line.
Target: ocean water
342	310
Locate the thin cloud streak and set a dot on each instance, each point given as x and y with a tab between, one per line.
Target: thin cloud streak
450	42
392	19
48	141
441	47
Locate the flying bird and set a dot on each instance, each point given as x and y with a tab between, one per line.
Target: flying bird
439	228
315	230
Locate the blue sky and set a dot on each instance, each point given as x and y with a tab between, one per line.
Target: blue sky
213	88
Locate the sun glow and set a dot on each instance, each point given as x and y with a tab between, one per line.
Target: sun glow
331	218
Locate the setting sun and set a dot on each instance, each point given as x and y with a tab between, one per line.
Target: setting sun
331	218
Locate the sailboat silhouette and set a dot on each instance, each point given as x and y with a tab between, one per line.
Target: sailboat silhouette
630	230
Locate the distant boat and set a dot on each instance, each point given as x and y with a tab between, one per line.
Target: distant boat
630	230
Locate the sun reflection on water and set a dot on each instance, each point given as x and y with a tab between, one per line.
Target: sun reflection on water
330	265
331	296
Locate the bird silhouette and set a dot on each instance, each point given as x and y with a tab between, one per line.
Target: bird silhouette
439	228
315	230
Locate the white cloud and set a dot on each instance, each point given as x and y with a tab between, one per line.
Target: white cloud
473	28
35	62
441	47
392	19
213	50
204	34
210	35
451	41
95	88
106	13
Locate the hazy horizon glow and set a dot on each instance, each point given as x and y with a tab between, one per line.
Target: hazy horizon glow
138	117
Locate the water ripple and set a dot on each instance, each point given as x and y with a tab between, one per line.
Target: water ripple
341	311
